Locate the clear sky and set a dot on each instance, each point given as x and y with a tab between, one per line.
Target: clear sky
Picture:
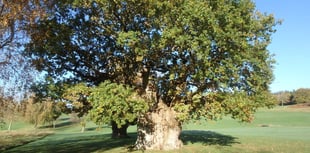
291	43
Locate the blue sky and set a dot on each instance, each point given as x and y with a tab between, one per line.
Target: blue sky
291	43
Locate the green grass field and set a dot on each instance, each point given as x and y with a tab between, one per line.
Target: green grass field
279	130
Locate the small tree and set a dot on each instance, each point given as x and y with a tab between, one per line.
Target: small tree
39	113
49	93
116	104
284	97
32	111
50	112
9	112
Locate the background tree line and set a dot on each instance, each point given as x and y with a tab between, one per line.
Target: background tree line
38	113
299	96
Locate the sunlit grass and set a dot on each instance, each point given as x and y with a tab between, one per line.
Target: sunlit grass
279	130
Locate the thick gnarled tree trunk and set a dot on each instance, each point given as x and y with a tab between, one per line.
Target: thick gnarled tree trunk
159	130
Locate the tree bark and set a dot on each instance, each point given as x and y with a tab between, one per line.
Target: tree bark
159	130
119	132
83	124
83	129
10	124
54	124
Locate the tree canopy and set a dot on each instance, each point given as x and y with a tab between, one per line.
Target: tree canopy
301	95
184	49
201	59
109	101
15	16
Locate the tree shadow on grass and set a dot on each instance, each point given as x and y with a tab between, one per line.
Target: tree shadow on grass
98	128
59	125
76	143
207	138
94	141
64	119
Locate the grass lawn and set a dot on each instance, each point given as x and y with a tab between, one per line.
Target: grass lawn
279	130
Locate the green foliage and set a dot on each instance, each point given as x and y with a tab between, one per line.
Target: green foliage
2	123
48	88
63	107
77	96
202	58
182	112
301	95
239	105
109	102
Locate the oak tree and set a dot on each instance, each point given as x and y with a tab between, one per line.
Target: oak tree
190	59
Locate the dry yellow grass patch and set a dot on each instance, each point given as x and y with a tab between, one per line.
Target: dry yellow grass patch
10	139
